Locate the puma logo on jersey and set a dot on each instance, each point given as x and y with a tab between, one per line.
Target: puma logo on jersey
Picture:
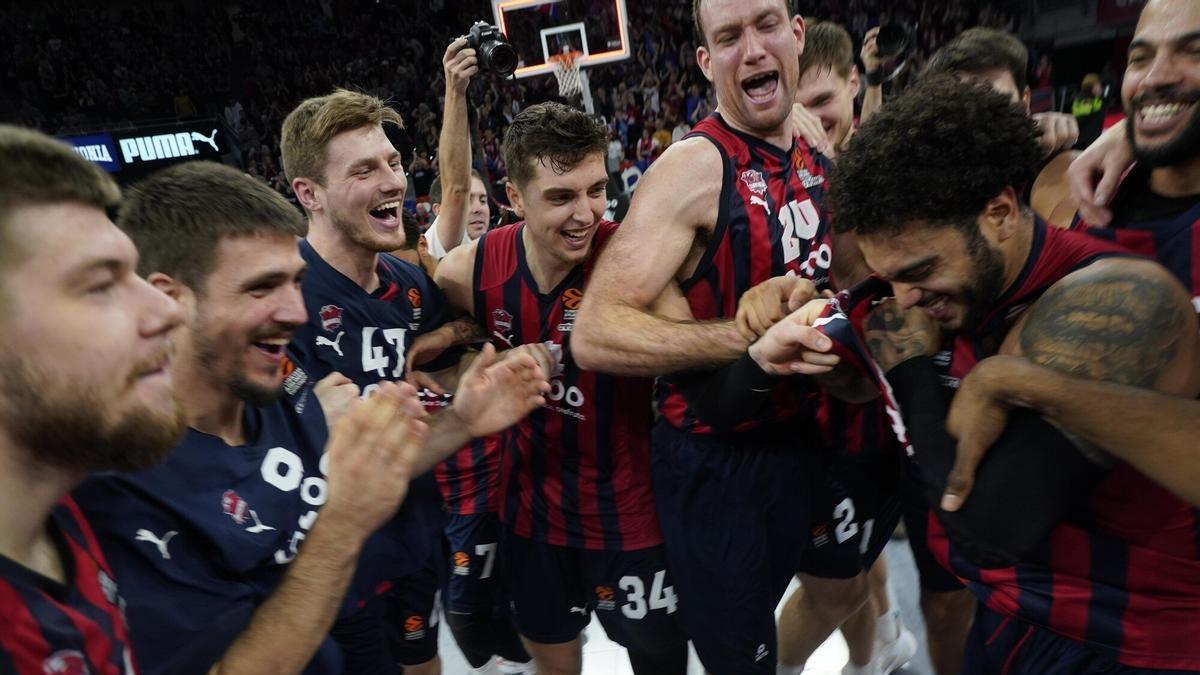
506	339
161	544
211	139
759	201
257	526
323	341
581	610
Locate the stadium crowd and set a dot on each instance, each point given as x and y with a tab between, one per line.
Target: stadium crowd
270	424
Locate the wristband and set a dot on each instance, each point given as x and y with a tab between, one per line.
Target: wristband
874	78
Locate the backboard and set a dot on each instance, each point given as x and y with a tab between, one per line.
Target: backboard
539	28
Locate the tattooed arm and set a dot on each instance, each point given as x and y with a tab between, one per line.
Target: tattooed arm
1111	355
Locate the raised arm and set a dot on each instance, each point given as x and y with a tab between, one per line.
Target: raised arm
674	209
454	145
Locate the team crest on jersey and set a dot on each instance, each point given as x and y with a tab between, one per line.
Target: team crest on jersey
331	318
66	662
755	181
462	564
414	628
606	598
414	300
502	326
235	507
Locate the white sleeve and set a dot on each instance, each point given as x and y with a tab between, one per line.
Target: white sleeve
436	250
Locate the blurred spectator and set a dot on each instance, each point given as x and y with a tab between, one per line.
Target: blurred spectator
1088	110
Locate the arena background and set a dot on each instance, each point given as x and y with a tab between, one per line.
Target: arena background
137	86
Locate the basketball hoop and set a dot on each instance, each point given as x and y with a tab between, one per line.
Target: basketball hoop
566	71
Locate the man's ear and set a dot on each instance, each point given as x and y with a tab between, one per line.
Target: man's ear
306	191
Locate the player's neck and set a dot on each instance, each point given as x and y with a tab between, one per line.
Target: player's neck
1017	251
211	407
353	261
780	137
28	493
547	270
1177	180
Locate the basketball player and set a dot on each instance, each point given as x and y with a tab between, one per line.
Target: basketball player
736	203
365	308
234	569
83	387
974	262
1156	209
580	532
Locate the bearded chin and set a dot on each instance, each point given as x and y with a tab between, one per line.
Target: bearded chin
1184	146
73	428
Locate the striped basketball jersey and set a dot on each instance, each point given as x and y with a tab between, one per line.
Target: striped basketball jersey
1122	575
72	627
575	473
470	478
772	221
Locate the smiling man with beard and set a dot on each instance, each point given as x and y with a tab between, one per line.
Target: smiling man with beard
84	387
235	571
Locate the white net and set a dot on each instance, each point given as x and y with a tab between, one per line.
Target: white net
566	71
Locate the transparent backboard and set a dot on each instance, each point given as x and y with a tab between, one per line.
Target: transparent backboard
538	28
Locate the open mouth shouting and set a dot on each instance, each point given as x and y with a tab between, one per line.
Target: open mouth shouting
272	348
761	88
386	215
577	238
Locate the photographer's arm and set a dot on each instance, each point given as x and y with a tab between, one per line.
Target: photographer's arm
454	145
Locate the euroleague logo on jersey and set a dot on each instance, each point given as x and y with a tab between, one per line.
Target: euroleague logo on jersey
66	662
462	564
571	299
414	628
331	318
606	598
414	300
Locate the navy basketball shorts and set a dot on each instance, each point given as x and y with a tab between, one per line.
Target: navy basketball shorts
473	568
934	578
411	614
734	517
854	510
554	590
1000	645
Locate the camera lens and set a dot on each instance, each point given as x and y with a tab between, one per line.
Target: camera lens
501	58
892	40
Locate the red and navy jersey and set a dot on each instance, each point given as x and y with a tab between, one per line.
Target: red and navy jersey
575	473
365	337
204	538
772	221
1123	574
470	479
72	627
1161	228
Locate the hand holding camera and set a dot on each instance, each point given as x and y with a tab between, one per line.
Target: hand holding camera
460	64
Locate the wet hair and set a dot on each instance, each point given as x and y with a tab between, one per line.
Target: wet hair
977	50
552	132
176	217
935	155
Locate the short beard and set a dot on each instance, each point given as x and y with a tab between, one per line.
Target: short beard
979	297
209	352
1182	148
68	426
370	241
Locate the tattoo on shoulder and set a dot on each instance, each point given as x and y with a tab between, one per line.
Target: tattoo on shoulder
1119	326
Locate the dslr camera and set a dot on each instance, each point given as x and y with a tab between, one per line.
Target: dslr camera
495	53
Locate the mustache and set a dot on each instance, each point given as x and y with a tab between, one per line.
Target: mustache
1166	95
275	330
158	359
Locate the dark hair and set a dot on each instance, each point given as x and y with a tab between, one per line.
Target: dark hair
936	155
177	216
827	45
561	135
38	169
412	230
698	25
976	50
435	188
